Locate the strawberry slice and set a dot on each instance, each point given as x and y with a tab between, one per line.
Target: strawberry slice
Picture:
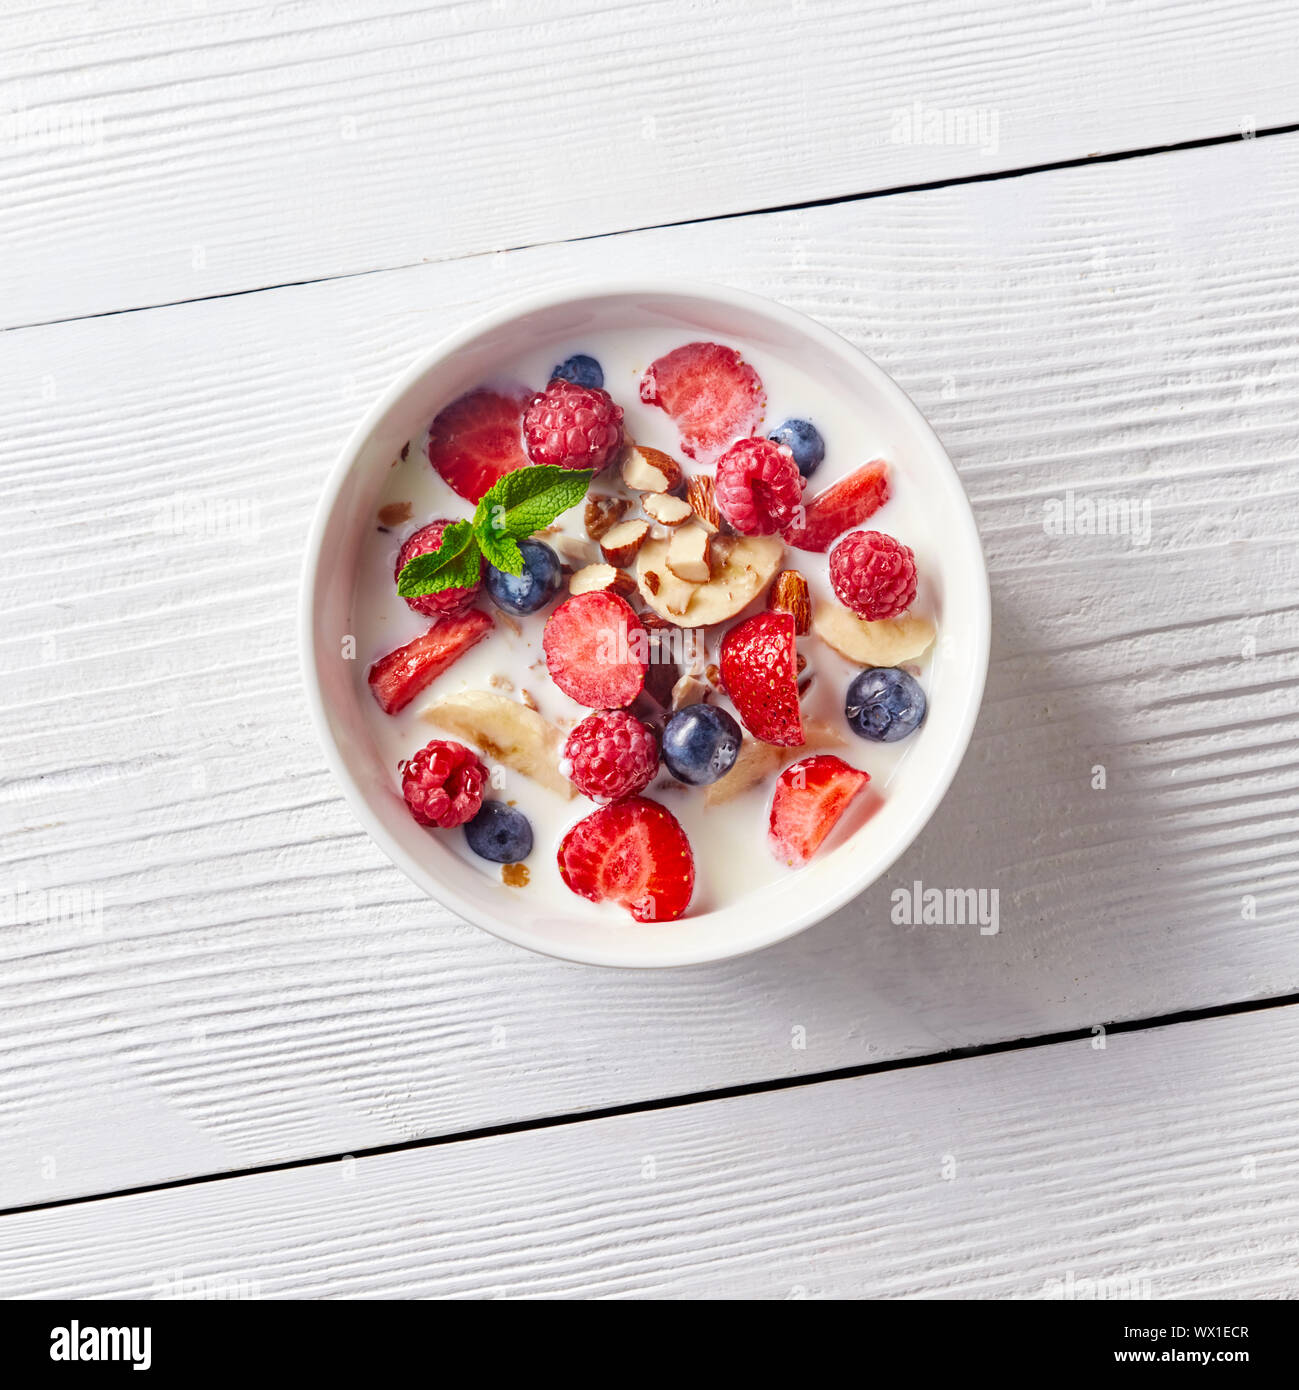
843	506
760	673
810	797
478	438
398	677
714	396
597	650
633	852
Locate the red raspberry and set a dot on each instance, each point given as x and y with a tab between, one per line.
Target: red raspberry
611	755
572	426
424	542
759	487
443	784
873	574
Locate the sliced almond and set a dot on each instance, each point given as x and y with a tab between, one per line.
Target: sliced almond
688	554
650	470
694	650
394	513
604	512
887	642
743	566
621	542
592	578
689	690
575	551
790	594
672	595
701	493
664	508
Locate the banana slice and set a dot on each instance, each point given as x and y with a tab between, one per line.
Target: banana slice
742	567
887	642
505	730
759	760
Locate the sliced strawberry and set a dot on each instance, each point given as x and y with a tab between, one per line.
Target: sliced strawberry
478	438
810	797
398	677
714	396
760	673
597	650
843	506
633	852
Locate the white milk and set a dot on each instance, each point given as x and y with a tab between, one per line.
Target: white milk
732	857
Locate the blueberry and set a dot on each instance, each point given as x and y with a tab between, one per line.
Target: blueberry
500	833
804	440
885	704
700	744
581	370
534	588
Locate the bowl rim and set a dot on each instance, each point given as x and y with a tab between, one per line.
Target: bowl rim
567	292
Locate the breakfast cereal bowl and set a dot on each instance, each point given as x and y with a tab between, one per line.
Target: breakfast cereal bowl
690	365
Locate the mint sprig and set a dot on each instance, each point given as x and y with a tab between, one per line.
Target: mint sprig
512	509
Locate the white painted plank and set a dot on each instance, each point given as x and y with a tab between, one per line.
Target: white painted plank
266	986
1165	1165
153	154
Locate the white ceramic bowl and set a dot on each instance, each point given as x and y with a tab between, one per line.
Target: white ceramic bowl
959	663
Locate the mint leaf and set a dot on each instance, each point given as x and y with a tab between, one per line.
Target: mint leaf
502	551
529	499
453	565
515	506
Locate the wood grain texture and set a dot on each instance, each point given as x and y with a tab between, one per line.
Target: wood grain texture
262	985
1160	1166
156	154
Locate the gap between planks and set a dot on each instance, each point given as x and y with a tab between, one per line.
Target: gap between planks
666	1103
992	176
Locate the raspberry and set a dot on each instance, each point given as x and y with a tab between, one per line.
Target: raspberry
424	542
610	755
759	487
873	574
572	426
443	784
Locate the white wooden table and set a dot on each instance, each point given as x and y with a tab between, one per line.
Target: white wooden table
240	1051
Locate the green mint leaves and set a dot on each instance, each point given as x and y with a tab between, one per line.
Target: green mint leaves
452	565
515	506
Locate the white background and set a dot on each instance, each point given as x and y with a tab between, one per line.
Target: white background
224	228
